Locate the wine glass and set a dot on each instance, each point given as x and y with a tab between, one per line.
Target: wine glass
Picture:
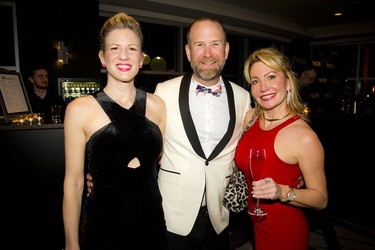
257	162
30	118
21	119
38	117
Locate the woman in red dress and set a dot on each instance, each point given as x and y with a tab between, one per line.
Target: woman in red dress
292	150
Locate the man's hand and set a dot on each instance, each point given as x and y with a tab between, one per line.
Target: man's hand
89	183
300	184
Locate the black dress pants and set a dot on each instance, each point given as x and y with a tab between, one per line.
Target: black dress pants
201	237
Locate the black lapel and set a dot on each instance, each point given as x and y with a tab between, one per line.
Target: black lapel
188	123
232	122
187	120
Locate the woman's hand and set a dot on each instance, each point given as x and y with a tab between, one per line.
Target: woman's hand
267	188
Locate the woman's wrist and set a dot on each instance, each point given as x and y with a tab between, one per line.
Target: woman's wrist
284	193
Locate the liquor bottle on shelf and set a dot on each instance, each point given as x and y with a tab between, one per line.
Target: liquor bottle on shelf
72	88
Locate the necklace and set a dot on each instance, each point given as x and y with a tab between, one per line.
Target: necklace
275	119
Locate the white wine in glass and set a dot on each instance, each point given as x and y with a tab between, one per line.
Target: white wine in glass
257	161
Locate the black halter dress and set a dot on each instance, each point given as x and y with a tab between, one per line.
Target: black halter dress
124	210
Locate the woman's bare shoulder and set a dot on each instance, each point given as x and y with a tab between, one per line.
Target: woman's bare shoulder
301	133
81	103
153	99
155	108
82	108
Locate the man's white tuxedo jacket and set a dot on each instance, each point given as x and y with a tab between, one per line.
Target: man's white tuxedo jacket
185	173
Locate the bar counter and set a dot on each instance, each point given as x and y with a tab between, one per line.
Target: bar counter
32	160
32	163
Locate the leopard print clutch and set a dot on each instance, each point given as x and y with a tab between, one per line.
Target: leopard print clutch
236	194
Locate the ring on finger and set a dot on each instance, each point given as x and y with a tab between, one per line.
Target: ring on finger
267	180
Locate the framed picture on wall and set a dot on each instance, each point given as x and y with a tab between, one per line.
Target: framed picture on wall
13	96
9	36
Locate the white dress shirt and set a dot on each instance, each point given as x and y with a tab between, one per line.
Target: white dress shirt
210	116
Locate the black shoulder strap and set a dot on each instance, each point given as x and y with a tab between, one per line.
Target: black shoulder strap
139	105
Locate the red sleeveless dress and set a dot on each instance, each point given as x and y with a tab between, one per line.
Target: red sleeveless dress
284	226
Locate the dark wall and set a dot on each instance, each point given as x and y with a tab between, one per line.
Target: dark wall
41	24
349	152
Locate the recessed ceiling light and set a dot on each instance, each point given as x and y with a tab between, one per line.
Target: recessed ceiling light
338	14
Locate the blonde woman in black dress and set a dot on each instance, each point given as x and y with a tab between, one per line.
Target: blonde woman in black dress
118	134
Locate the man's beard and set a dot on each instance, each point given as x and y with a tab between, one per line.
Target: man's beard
207	74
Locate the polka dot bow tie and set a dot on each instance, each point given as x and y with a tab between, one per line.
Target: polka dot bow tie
202	90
